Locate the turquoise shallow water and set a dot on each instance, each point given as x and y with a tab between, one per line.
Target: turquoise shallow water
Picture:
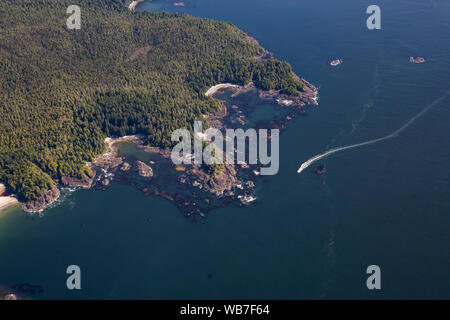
307	236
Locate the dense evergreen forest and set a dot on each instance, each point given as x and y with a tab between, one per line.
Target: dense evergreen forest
63	91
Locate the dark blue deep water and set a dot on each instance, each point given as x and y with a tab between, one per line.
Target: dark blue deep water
307	236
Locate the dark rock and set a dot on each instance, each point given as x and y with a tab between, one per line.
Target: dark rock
250	184
41	203
320	170
10	296
144	170
336	62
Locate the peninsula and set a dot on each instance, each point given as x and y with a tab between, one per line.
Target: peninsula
123	73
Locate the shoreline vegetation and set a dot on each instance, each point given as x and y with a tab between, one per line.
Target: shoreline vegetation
233	181
103	167
139	99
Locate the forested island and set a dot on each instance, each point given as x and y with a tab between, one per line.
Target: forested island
123	73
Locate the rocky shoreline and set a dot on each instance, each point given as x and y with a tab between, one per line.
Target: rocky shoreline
232	182
20	291
296	104
109	159
144	169
43	202
226	184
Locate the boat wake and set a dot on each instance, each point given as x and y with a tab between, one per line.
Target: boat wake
307	163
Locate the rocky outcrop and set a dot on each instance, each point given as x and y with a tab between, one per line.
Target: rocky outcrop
125	167
319	170
144	170
84	183
41	203
308	96
10	296
133	4
336	62
217	184
250	184
224	180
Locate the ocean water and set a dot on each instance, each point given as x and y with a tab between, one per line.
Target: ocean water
307	236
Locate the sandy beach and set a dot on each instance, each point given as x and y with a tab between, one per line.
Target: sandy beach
133	5
111	141
215	88
6	201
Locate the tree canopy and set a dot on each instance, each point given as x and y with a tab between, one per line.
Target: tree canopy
63	91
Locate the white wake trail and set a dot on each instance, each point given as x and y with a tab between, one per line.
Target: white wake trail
307	163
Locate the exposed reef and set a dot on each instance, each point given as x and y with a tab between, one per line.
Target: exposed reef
43	202
320	170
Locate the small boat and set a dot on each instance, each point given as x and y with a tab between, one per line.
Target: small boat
336	62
